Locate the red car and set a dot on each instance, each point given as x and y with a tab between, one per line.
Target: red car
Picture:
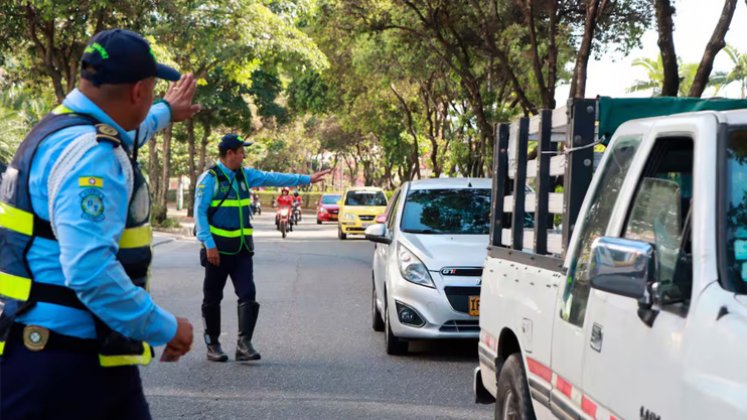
327	209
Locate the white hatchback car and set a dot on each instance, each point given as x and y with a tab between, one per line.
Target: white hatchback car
428	261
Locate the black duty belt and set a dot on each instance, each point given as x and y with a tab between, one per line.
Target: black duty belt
39	338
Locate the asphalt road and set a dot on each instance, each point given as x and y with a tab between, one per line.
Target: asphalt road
320	357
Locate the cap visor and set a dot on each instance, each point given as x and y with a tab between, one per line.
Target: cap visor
167	73
247	143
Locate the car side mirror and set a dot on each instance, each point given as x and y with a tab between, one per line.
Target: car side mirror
627	268
377	233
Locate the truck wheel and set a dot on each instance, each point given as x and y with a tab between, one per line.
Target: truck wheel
341	235
394	345
512	401
376	323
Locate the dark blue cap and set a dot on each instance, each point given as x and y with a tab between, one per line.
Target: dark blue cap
118	56
232	141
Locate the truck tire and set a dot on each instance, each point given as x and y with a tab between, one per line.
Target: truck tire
512	400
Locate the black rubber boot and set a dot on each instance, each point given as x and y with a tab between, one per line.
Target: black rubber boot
248	312
211	319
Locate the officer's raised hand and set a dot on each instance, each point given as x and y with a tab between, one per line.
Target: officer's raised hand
180	96
319	176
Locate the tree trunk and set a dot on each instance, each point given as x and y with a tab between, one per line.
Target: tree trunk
415	157
665	27
153	168
578	82
165	170
206	130
192	168
715	45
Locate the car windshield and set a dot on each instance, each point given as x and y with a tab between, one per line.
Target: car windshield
365	198
447	211
736	212
330	199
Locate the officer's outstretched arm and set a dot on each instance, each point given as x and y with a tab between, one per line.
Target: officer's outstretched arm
257	178
88	214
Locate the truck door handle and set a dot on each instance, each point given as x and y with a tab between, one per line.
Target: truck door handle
596	338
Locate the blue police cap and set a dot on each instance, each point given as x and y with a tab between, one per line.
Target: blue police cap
232	141
119	56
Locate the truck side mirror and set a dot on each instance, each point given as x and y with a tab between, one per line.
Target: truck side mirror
377	233
627	268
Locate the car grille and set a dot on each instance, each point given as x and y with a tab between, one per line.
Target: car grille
366	217
459	297
333	211
457	326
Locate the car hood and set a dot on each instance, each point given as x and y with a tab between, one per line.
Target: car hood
439	251
376	210
330	206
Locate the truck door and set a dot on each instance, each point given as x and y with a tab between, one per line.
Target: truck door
569	337
633	369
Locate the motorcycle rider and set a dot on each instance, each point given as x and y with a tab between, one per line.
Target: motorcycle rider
283	200
297	203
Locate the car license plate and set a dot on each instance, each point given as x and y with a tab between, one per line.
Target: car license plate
365	225
474	305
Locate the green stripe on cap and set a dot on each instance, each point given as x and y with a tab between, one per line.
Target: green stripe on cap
97	47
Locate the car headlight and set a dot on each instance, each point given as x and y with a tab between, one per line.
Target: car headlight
412	269
349	216
322	210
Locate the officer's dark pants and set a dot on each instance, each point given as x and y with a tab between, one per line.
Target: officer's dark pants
241	269
55	384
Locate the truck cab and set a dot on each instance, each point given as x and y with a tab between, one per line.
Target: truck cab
638	309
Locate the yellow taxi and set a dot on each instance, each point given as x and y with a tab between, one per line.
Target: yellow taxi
359	207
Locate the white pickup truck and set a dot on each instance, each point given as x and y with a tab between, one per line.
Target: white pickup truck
639	308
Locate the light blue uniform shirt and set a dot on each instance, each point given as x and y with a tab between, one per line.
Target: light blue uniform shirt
84	257
255	178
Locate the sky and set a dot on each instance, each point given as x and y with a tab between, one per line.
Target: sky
693	26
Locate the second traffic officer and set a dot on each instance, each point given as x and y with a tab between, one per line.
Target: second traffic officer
223	224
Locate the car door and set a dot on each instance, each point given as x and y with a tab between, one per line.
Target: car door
570	323
633	364
382	251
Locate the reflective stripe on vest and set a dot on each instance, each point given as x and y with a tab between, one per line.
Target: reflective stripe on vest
15	287
246	202
16	220
231	233
137	237
130	359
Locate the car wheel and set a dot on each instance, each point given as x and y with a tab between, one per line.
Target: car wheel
341	235
512	400
394	345
318	222
376	322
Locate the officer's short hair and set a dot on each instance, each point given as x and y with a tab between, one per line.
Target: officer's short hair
224	152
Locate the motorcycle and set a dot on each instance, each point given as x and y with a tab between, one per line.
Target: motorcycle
282	220
257	206
296	212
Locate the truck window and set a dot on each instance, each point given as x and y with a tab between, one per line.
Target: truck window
576	292
659	215
733	202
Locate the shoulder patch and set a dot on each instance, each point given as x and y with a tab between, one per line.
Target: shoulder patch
92	204
91	181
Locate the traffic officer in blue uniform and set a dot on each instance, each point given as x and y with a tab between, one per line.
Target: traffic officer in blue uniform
223	222
75	315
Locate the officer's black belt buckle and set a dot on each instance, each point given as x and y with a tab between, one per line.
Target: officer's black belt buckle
35	338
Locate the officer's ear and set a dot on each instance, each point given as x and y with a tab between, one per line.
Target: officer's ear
142	91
